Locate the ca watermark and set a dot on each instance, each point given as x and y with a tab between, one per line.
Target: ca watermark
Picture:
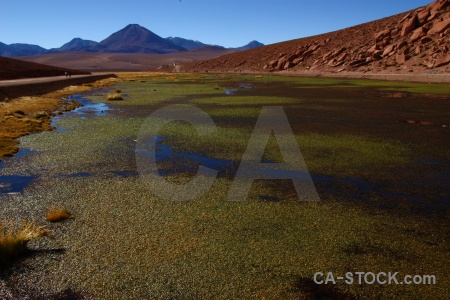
271	120
381	278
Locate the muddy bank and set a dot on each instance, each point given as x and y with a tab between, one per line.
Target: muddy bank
32	114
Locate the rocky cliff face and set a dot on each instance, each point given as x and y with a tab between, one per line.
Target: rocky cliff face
414	41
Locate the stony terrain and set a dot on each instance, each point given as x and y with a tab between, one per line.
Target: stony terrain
414	41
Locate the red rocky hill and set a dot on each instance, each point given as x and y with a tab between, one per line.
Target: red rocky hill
414	41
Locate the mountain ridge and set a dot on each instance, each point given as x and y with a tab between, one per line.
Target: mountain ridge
133	38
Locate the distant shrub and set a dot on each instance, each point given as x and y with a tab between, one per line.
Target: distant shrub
14	238
58	215
118	91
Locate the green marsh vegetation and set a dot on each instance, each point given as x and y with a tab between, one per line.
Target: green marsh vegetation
140	246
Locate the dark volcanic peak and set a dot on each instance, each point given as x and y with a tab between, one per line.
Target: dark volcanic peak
251	45
137	39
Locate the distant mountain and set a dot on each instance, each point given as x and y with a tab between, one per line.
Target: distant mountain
131	39
136	39
77	44
251	45
20	50
192	45
185	43
3	48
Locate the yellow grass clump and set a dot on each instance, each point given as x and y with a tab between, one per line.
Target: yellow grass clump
58	215
15	237
113	97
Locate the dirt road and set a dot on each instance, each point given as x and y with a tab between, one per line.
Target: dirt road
16	82
10	89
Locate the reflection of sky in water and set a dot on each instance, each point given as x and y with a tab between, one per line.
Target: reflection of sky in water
11	184
246	86
166	154
232	91
89	107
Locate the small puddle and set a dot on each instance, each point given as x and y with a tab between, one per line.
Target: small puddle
185	162
54	125
75	175
165	153
352	188
433	162
126	173
22	152
232	91
89	108
13	184
25	151
246	86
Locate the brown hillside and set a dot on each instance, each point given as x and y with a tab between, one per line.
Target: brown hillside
15	69
107	62
414	41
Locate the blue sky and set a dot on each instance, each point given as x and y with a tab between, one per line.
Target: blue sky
232	23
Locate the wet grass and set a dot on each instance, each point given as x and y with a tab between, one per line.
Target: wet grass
411	87
160	90
211	248
142	247
346	155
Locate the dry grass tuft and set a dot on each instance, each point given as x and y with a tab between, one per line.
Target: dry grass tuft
58	215
113	97
15	237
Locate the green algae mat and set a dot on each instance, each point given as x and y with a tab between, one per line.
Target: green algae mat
377	154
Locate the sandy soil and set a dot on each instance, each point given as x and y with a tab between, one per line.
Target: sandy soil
113	62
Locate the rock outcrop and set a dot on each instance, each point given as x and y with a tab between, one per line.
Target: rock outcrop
413	41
